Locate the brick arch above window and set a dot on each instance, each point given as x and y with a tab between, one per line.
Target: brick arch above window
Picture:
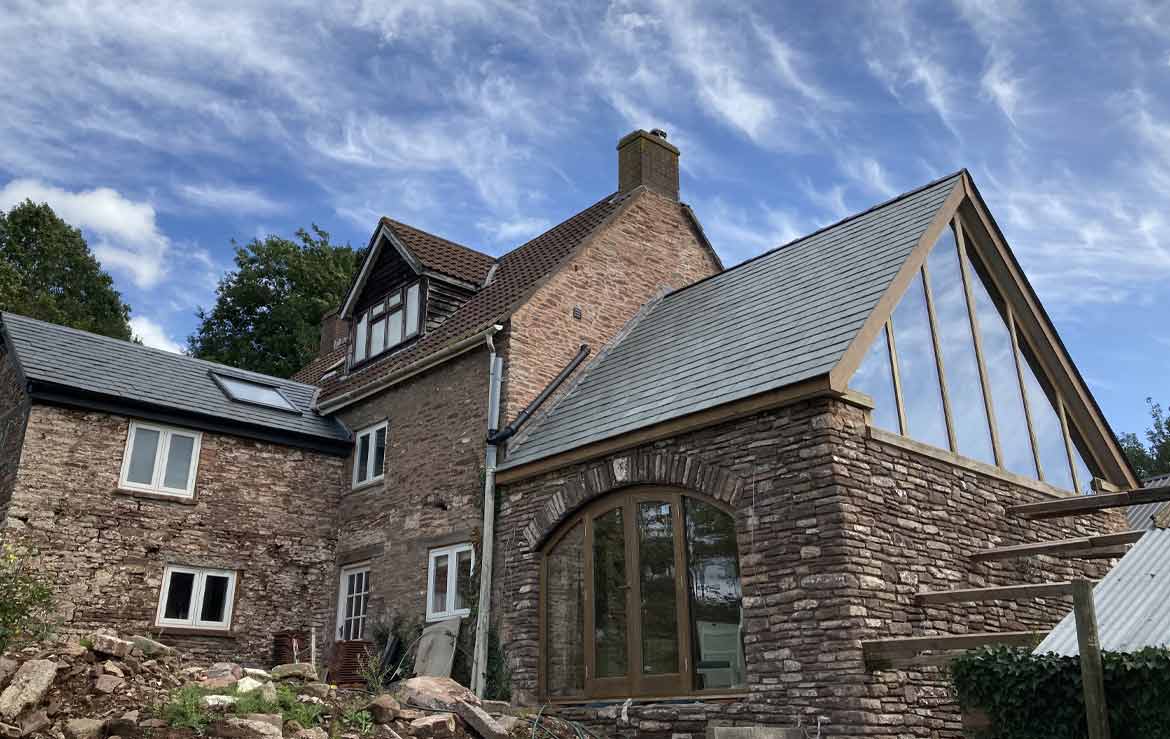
620	471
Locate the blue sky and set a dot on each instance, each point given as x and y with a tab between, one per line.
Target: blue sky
165	133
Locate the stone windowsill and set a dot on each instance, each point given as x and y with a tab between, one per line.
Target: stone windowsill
162	497
209	633
367	485
971	465
720	697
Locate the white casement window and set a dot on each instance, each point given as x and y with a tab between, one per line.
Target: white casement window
449	571
387	323
353	597
160	459
196	598
369	455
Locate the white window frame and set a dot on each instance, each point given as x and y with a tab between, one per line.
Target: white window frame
160	460
342	595
372	475
197	589
448	609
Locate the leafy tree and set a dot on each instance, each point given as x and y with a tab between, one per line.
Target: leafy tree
1152	458
268	311
48	272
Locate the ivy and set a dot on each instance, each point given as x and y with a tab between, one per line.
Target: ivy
1039	696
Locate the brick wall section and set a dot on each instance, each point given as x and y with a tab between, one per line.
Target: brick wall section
14	405
433	484
649	247
836	533
261	509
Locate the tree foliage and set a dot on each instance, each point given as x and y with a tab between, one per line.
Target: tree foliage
268	310
25	598
48	272
1153	457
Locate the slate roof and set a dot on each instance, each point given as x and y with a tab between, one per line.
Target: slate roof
519	271
1130	602
775	320
126	372
441	255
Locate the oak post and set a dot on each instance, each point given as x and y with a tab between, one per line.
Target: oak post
1092	673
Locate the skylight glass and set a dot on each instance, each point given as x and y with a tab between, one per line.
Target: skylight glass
244	391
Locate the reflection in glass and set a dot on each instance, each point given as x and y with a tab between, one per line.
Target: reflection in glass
462	578
960	363
921	392
1084	476
657	581
178	468
439	589
715	599
363	459
565	614
379	452
142	455
875	378
1054	465
215	589
179	596
1000	362
609	594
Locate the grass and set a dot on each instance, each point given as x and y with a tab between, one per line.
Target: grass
185	708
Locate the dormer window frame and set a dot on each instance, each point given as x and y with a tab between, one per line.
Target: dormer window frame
372	327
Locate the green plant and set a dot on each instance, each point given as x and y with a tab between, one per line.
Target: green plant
185	709
25	599
254	702
374	673
1039	696
358	719
305	714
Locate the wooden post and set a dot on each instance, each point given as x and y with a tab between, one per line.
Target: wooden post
1092	673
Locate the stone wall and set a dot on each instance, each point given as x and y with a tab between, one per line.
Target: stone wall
433	483
14	405
836	532
650	247
263	510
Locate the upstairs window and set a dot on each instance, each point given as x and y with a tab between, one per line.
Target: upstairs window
196	598
369	455
951	369
246	391
387	323
160	459
448	577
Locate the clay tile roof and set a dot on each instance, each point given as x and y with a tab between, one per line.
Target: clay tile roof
312	372
441	255
519	271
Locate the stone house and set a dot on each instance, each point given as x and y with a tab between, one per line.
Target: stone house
689	494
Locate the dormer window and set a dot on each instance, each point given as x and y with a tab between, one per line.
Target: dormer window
387	323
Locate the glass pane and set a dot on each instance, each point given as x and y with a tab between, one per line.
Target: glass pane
412	310
178	467
254	392
363	457
377	337
875	378
394	300
462	579
609	594
394	332
359	339
564	613
921	393
964	389
439	586
716	607
215	589
1054	463
379	452
1000	362
142	452
1084	475
656	574
179	596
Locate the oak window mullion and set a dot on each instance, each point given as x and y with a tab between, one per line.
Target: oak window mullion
1017	353
633	598
686	682
897	376
984	379
1068	444
590	640
938	358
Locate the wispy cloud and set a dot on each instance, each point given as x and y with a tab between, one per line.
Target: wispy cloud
515	231
153	334
229	198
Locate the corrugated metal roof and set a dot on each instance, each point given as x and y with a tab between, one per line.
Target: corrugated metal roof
1142	516
783	317
1132	602
122	370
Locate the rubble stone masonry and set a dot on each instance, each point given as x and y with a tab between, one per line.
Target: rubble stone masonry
263	510
836	531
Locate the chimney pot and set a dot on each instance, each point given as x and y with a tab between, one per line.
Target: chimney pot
646	158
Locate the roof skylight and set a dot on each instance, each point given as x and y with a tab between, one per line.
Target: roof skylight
245	391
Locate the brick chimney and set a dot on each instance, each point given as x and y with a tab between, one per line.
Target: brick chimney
334	332
645	158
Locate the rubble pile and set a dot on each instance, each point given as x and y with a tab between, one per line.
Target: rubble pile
107	687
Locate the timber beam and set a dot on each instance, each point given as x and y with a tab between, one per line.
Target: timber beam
1006	592
882	654
1083	546
1085	504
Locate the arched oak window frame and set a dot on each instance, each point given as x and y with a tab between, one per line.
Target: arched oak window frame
635	683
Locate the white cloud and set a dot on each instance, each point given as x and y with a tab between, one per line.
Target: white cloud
515	231
126	234
230	198
153	334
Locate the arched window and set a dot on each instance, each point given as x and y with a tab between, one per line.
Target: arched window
640	595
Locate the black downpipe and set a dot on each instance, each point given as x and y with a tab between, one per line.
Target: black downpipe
496	438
